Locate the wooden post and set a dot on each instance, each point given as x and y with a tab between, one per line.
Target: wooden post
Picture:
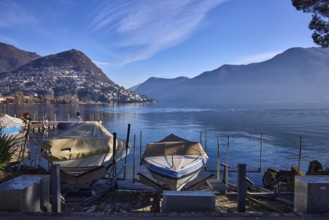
300	153
218	158
260	152
55	184
242	188
134	158
26	140
127	146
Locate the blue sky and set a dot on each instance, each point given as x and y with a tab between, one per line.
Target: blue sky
132	40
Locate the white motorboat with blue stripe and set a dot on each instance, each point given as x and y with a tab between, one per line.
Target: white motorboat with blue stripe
174	161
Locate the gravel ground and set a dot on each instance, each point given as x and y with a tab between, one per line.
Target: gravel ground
134	203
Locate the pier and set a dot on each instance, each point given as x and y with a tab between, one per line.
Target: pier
40	126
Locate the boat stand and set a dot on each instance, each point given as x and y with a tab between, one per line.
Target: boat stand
199	183
204	181
147	181
103	180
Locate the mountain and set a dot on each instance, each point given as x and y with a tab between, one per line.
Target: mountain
69	60
11	57
66	77
155	85
296	75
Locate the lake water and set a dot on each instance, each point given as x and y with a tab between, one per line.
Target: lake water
281	125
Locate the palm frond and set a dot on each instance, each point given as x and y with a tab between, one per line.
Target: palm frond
7	149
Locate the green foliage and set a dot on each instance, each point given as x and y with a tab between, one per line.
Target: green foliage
320	19
7	144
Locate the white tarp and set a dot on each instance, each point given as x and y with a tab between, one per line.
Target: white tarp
81	140
8	121
10	125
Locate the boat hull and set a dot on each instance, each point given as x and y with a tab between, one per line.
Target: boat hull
83	165
166	174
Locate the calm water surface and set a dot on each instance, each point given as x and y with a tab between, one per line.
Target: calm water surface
281	125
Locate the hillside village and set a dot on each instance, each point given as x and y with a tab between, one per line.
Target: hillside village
67	77
61	85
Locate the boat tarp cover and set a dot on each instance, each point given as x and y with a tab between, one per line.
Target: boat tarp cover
8	121
174	145
81	140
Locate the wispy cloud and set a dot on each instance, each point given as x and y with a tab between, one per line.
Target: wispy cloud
146	27
8	40
103	64
256	58
13	15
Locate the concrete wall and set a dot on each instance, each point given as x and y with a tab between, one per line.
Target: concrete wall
26	193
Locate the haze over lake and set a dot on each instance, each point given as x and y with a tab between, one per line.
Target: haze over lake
281	125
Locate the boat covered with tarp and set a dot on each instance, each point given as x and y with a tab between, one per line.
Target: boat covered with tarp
174	161
82	147
10	125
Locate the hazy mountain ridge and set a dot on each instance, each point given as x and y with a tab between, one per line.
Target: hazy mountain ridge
69	76
155	84
296	75
11	57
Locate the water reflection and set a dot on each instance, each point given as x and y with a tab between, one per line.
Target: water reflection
281	125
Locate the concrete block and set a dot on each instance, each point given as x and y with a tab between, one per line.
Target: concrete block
26	193
188	201
311	194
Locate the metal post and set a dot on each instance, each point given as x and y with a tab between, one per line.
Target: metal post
127	145
140	147
218	158
242	188
55	117
205	146
205	140
114	154
68	117
227	161
260	152
55	184
300	153
134	158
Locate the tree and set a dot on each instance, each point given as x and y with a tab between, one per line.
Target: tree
320	19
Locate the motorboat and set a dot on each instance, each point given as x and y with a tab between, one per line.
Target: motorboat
173	161
83	147
13	127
